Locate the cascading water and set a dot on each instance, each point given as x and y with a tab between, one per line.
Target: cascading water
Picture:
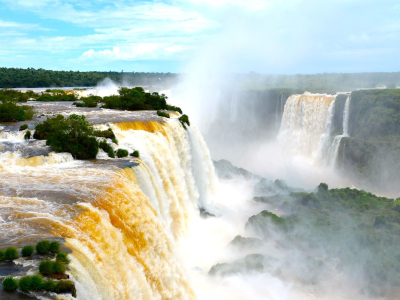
334	148
121	218
306	125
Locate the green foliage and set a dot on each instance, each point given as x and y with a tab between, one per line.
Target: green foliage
43	247
54	247
11	112
73	135
59	267
174	108
135	153
25	284
184	119
162	114
2	256
49	286
56	96
11	253
27	135
135	99
63	257
108	134
360	229
23	127
27	251
115	141
90	101
10	284
107	148
14	77
122	153
46	267
65	286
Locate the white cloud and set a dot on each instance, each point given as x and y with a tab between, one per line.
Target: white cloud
143	51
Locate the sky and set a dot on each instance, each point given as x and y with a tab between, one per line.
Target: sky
265	36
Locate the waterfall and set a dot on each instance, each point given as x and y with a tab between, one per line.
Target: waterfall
306	125
121	218
334	149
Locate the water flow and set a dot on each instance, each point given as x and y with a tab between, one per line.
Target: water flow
122	224
306	125
334	149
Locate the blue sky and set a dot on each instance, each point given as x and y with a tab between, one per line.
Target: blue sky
266	36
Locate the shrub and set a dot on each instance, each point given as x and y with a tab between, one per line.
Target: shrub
59	267
11	112
25	284
122	153
65	286
36	282
107	148
46	268
115	141
174	108
54	247
27	250
73	135
135	153
23	127
62	256
43	247
108	134
162	114
49	286
10	284
184	119
2	256
11	253
27	135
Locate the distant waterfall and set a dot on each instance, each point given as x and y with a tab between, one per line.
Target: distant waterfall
334	149
306	125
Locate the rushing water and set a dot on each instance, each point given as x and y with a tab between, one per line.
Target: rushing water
120	217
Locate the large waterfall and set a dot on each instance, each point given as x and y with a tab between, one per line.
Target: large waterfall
121	218
307	127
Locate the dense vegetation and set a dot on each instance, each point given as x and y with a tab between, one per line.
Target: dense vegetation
359	228
372	153
30	78
73	134
327	82
10	111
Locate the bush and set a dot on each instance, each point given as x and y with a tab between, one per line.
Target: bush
174	108
184	119
2	256
11	253
162	114
115	141
108	134
23	127
10	284
62	256
11	112
59	267
54	247
27	250
49	286
27	135
46	268
43	247
36	282
65	286
25	284
122	153
107	148
73	135
135	153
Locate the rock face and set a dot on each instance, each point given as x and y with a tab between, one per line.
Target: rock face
250	263
240	243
